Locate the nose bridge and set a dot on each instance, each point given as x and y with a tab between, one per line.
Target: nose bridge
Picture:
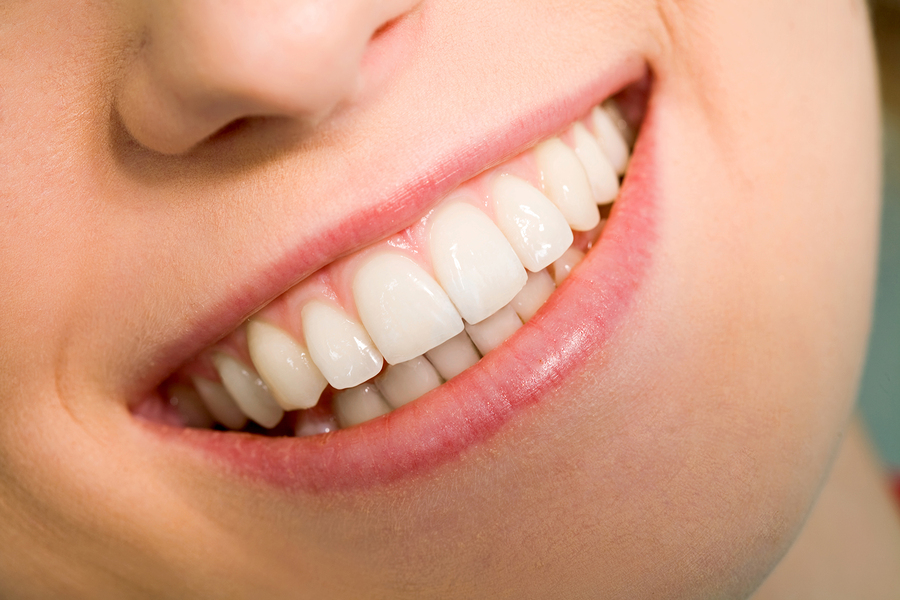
207	63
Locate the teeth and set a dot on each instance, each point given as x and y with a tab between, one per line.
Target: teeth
494	330
534	227
568	261
404	310
453	356
285	366
248	390
190	407
610	138
603	178
220	403
360	404
612	109
566	184
536	291
314	422
339	346
473	261
403	383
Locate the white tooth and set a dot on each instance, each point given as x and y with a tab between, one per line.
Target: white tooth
534	227
285	366
314	422
494	330
190	406
360	404
566	184
248	390
404	310
473	261
403	383
568	261
539	287
220	403
453	356
615	113
603	178
339	346
611	141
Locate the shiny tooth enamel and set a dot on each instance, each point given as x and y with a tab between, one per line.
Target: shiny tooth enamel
401	384
315	422
249	391
532	224
612	109
600	172
532	297
494	330
220	403
285	365
610	138
359	404
190	407
566	184
562	268
402	307
340	346
473	261
453	356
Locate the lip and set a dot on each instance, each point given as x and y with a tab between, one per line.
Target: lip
575	323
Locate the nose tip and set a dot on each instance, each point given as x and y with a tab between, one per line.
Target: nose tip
207	63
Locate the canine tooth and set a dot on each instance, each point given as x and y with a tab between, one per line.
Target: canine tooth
248	390
610	138
453	356
285	366
603	178
359	404
473	261
190	407
566	184
314	422
494	330
615	114
533	226
568	261
539	287
401	384
404	310
220	403
339	346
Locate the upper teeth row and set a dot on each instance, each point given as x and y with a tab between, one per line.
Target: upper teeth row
473	274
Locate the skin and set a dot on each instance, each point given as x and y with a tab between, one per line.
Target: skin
681	462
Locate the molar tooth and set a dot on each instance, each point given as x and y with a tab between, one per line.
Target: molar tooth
190	407
610	138
359	404
339	345
534	227
539	287
453	356
473	261
220	403
248	390
404	310
600	172
401	384
494	330
568	261
566	184
285	366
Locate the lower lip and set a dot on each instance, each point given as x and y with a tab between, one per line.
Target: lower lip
574	325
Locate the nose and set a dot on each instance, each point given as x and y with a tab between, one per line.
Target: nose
203	64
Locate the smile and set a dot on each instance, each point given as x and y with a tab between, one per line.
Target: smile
459	319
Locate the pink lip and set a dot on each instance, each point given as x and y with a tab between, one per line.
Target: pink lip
576	323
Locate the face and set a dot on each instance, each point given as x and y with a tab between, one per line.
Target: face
660	425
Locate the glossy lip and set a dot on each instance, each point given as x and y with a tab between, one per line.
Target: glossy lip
577	322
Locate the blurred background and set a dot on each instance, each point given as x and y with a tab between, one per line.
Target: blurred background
880	392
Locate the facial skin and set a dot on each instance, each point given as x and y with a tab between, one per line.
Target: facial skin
169	168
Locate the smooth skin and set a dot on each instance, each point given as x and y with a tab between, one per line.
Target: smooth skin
157	157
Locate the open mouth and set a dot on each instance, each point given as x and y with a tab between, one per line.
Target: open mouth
425	342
